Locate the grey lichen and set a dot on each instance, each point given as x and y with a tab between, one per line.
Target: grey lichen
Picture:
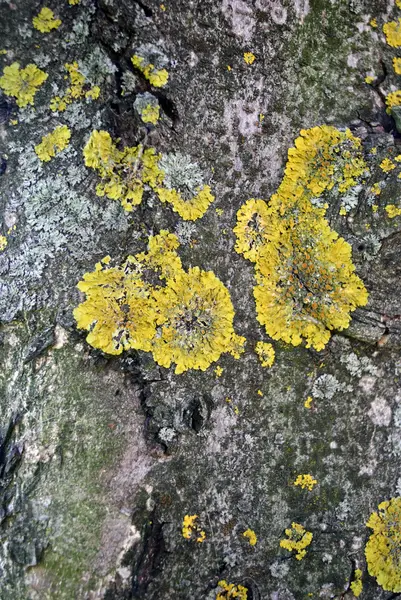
181	174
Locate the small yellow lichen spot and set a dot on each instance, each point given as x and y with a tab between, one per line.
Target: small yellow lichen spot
308	402
236	410
219	211
219	371
393	99
230	591
251	535
157	78
151	114
45	21
392	31
266	354
229	68
228	400
2	52
392	211
261	118
22	84
397	65
343	211
383	548
93	93
3	242
375	189
373	23
356	584
297	539
191	530
73	2
375	208
249	58
162	7
373	151
397	158
14	121
387	165
369	79
260	393
305	481
398	3
53	143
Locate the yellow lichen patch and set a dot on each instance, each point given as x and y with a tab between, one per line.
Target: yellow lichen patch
392	31
53	143
308	402
3	242
119	310
45	21
195	323
253	228
73	2
398	3
229	591
369	79
373	23
150	303
387	165
218	371
124	173
189	209
266	354
383	549
392	211
150	114
22	84
249	58
393	99
251	535
156	77
297	540
375	189
397	65
306	285
305	482
356	584
78	89
191	530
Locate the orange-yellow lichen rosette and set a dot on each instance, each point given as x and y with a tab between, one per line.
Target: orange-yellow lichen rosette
119	311
383	549
195	323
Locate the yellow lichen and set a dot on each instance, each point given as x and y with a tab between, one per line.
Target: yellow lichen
251	535
53	143
150	114
187	320
22	84
249	58
45	21
305	481
398	3
297	540
373	23
392	31
124	173
229	591
266	354
308	402
393	99
383	549
157	78
306	285
188	209
369	79
397	65
76	90
218	371
387	165
392	211
3	242
191	530
356	584
375	189
73	2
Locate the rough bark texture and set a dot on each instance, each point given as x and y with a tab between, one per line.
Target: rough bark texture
101	457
